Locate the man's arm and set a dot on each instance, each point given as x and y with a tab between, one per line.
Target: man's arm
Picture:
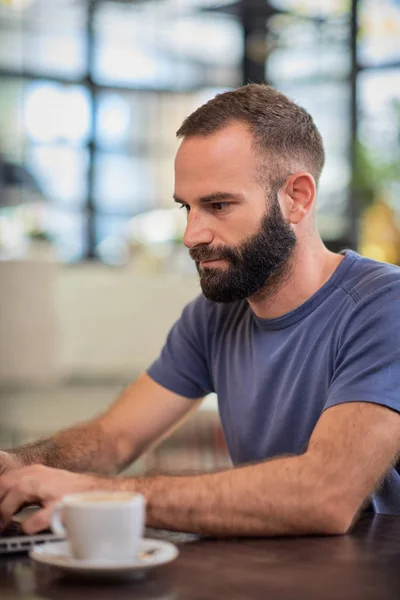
144	412
319	492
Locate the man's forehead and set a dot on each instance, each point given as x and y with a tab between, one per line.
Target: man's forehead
234	138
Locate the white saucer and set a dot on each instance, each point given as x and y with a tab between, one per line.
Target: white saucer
152	553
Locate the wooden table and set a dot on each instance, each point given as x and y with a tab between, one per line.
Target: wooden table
362	565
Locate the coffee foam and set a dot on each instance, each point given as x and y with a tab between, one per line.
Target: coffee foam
102	498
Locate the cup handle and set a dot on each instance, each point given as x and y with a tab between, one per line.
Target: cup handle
55	521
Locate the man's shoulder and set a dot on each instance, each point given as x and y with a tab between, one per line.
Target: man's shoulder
368	278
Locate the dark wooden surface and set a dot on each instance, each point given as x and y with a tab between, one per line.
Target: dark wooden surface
362	565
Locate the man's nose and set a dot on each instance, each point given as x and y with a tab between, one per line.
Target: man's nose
197	231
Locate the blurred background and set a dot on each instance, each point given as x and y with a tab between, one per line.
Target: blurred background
92	269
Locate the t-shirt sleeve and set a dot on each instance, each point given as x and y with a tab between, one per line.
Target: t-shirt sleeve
182	366
367	366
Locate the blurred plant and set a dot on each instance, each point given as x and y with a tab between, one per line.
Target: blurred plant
370	175
37	235
375	185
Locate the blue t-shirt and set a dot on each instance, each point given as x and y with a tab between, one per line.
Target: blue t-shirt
274	377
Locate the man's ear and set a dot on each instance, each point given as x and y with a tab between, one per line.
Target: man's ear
298	195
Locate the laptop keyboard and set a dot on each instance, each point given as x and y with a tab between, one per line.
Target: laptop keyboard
13	539
12	530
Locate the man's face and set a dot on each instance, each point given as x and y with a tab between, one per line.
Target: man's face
251	263
237	237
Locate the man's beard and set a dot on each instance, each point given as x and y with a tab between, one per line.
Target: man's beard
257	265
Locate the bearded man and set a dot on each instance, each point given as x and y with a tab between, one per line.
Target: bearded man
301	345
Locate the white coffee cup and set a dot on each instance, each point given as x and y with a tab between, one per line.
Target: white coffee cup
101	525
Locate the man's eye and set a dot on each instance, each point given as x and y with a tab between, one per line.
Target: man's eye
184	206
220	206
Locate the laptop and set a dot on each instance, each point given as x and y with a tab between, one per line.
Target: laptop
13	539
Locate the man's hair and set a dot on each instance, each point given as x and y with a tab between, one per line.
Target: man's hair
285	136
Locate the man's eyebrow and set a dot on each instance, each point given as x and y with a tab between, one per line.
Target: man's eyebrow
216	197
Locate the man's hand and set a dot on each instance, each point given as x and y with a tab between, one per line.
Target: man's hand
8	462
42	485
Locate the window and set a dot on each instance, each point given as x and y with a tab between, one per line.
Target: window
310	61
92	100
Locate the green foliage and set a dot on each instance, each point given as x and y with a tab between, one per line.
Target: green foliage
39	236
370	174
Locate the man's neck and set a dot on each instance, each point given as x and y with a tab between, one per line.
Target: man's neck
310	268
